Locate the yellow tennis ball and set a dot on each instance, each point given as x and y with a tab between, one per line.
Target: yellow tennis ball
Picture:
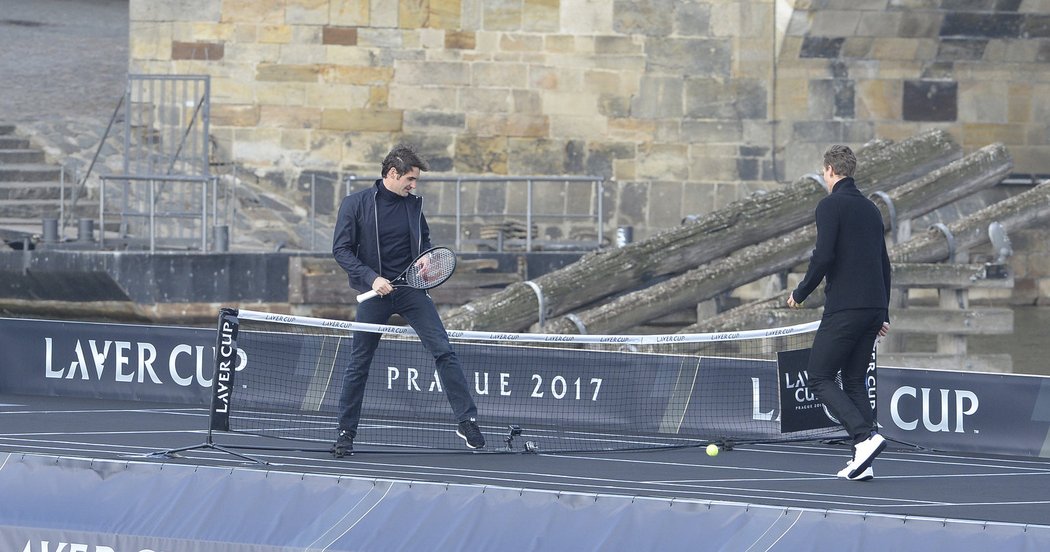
712	450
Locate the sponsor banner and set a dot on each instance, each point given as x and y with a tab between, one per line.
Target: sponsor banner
544	387
115	361
966	411
800	409
735	397
963	411
225	364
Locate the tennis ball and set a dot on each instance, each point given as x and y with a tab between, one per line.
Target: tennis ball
712	450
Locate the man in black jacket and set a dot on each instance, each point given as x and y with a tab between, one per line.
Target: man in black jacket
379	232
851	255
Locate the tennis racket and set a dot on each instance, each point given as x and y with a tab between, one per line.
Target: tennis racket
430	269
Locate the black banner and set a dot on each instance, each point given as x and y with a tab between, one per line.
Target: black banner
966	411
800	409
947	410
118	361
225	368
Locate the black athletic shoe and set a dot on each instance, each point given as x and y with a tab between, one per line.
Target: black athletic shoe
344	446
471	433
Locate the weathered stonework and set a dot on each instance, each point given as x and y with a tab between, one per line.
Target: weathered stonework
681	107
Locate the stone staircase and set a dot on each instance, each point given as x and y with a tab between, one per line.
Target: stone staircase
30	189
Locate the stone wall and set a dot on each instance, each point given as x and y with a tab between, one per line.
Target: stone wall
682	106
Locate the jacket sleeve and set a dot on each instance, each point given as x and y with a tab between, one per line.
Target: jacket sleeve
345	241
823	253
886	278
424	233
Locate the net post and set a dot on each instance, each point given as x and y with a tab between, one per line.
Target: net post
222	385
222	377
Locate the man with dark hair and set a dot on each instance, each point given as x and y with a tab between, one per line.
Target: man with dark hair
851	255
379	232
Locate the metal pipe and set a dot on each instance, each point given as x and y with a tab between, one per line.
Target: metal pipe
152	219
459	214
528	216
313	212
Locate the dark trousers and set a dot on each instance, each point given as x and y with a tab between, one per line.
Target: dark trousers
418	309
843	344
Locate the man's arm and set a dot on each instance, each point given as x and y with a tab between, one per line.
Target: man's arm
424	233
343	243
823	253
886	278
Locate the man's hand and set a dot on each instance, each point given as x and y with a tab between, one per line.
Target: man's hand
885	329
382	286
423	264
792	303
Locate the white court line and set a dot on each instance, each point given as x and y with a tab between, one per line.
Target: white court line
969	504
515	477
194	411
926	456
602	485
348	511
125	432
362	516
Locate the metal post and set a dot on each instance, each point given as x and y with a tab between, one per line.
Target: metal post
459	214
62	196
313	212
152	221
220	238
601	214
204	215
528	216
85	230
50	230
102	213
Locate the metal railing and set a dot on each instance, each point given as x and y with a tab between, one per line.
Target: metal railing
166	125
460	212
140	210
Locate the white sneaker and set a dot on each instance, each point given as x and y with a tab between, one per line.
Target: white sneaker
866	475
864	454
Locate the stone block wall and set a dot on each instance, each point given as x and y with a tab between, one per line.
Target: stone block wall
682	106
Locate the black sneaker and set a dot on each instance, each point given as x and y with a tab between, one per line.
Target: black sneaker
471	433
344	446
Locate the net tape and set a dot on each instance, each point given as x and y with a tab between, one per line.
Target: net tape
655	339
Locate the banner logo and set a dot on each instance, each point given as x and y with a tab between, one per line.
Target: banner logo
800	409
940	410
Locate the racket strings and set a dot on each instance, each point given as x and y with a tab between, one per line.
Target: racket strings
442	262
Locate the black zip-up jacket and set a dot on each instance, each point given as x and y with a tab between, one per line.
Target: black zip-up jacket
355	245
850	253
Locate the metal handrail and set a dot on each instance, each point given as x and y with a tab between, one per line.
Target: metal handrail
152	214
530	215
313	205
82	182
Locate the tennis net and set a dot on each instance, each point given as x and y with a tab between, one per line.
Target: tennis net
278	377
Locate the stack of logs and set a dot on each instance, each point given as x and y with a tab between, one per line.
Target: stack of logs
772	233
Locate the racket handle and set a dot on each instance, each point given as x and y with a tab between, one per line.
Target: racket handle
366	296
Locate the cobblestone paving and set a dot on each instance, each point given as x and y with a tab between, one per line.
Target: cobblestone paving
62	58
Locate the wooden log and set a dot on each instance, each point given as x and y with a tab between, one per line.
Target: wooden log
957	276
934	361
981	169
742	223
983	321
1026	209
1020	211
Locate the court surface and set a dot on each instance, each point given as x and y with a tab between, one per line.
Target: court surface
908	482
